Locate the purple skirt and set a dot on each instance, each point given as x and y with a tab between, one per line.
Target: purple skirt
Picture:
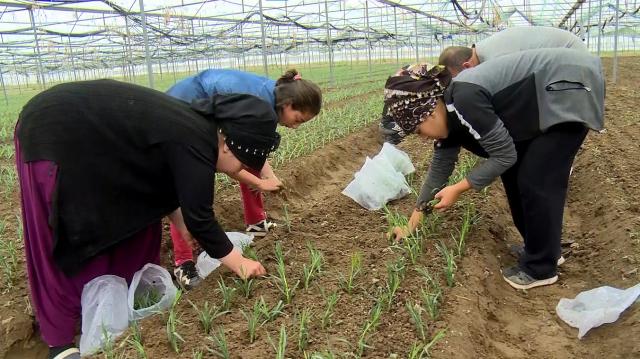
54	296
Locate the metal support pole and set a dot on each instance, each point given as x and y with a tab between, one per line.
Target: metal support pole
599	23
244	60
615	45
4	89
366	9
146	43
415	27
40	76
326	16
264	42
395	30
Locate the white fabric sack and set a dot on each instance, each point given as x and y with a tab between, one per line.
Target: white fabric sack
205	264
376	183
595	307
151	277
104	307
398	159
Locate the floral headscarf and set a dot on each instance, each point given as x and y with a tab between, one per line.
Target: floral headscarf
411	95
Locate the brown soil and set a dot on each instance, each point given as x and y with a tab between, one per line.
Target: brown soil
483	316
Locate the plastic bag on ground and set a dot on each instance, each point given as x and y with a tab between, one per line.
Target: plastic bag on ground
397	158
104	309
151	279
595	307
376	183
205	264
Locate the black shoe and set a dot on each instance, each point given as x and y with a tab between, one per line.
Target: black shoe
518	279
187	275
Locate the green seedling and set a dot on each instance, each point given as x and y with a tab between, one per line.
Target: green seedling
206	315
220	340
147	299
108	344
287	220
135	340
250	253
316	260
431	295
269	314
254	319
436	338
198	354
245	284
281	347
449	264
416	351
415	311
348	284
173	336
281	281
330	303
227	294
303	329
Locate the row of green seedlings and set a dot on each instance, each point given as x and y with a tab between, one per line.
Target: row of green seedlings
9	255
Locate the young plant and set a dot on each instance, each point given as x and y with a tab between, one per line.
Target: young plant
245	284
8	261
436	338
348	284
412	246
269	314
250	253
304	318
316	260
415	311
449	264
227	294
254	319
394	277
287	220
220	340
416	351
431	295
320	355
206	315
281	281
108	344
146	299
281	347
172	322
330	301
198	354
468	219
135	340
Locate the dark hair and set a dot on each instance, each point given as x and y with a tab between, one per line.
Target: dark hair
454	56
301	94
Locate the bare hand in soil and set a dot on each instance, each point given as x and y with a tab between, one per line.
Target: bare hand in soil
243	267
271	184
399	233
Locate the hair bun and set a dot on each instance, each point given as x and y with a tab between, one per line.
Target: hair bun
288	76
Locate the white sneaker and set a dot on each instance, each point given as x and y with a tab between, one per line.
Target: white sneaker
261	228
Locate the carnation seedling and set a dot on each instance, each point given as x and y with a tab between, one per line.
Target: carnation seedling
281	280
349	283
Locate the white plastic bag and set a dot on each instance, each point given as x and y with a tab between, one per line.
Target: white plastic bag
595	307
151	279
104	309
376	183
205	264
397	158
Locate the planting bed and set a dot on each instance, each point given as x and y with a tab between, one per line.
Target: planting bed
480	315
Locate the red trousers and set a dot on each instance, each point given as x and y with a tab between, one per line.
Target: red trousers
253	213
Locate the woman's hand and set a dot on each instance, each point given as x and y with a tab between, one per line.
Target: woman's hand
399	233
270	184
450	194
241	266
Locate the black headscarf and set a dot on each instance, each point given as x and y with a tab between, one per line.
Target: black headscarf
248	124
411	95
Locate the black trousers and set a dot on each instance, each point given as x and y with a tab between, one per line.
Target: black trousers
536	188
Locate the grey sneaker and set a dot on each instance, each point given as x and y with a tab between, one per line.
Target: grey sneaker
517	251
518	279
187	275
261	228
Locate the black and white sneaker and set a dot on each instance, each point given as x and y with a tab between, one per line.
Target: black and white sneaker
518	279
261	228
64	352
187	275
517	251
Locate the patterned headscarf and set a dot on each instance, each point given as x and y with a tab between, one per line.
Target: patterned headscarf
410	96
